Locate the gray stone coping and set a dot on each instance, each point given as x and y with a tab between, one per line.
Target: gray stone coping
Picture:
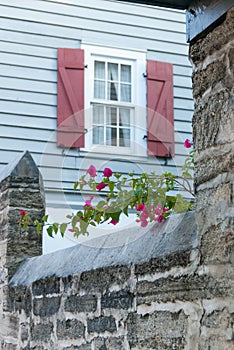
134	246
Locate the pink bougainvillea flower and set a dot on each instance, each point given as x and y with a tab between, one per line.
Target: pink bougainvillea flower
92	171
144	223
107	172
22	213
88	202
140	207
187	143
71	230
165	210
100	186
158	209
113	222
160	218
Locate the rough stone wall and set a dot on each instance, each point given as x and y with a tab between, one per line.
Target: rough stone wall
213	127
20	188
135	295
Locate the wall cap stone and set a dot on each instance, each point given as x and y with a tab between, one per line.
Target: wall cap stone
177	234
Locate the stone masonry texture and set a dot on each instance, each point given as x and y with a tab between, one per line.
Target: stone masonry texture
168	288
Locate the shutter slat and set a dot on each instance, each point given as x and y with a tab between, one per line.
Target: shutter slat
70	98
160	111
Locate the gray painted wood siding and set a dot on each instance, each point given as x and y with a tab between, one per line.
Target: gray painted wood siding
30	33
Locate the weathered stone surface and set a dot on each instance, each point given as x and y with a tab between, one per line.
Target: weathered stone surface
219	161
122	299
214	40
161	330
46	307
47	286
208	78
217	245
81	347
101	279
85	303
187	288
208	116
70	329
217	330
41	331
101	324
109	343
164	263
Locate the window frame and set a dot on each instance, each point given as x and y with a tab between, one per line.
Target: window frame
138	123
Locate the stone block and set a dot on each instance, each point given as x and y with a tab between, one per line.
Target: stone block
46	286
70	329
109	343
185	288
101	324
8	346
80	347
217	330
122	299
164	263
210	112
42	331
85	303
46	307
101	279
214	40
217	245
208	78
160	330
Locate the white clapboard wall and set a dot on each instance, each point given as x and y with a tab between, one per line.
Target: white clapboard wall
30	33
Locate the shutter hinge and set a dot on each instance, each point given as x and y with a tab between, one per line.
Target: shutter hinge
144	75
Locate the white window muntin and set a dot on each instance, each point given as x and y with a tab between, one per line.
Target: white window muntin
112	125
112	80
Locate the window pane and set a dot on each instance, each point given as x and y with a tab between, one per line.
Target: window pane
111	136
126	93
98	114
113	71
99	70
124	137
111	116
125	73
112	91
99	89
98	135
124	117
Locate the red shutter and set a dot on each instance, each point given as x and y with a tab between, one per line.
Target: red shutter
160	111
70	98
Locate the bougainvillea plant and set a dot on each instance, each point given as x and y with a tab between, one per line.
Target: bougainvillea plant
149	196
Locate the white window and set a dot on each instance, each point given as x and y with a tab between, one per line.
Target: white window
114	92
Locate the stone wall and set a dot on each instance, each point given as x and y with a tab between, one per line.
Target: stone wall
20	188
133	292
213	127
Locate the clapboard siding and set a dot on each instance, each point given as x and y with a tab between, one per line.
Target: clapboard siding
30	33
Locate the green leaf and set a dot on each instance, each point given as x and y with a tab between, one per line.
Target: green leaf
45	218
76	184
125	211
50	231
39	227
55	227
63	228
111	186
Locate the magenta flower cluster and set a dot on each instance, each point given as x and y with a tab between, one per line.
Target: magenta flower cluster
152	214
